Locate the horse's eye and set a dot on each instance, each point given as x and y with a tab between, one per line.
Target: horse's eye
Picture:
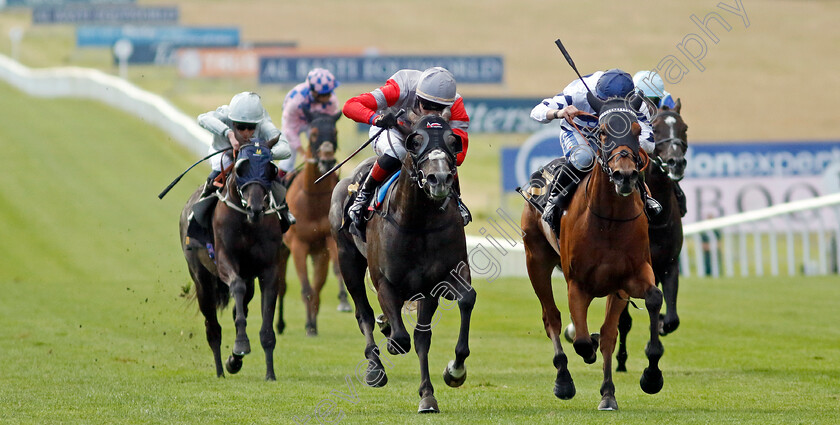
414	142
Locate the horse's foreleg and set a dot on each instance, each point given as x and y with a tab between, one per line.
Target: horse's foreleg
282	266
239	291
343	305
586	345
320	268
456	372
625	323
205	290
422	342
609	332
539	271
300	251
670	286
353	266
399	342
268	288
651	381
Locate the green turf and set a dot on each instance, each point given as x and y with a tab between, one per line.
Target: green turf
95	330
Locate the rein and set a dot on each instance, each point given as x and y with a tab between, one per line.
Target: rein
272	203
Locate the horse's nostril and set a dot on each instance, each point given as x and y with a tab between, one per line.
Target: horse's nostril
432	179
634	175
616	176
672	162
449	179
682	162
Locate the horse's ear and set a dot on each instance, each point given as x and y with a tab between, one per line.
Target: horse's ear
336	116
456	144
307	114
594	102
636	129
678	106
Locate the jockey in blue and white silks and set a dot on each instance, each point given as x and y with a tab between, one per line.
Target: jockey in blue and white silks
575	95
580	148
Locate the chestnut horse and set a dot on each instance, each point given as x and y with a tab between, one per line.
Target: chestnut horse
665	230
603	251
248	239
415	251
310	204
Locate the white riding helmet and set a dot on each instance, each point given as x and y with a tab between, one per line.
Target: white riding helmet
649	82
246	107
437	85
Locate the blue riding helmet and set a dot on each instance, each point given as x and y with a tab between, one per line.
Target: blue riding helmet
614	83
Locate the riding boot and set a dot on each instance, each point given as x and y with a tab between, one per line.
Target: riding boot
681	201
562	189
199	220
652	206
278	193
356	212
466	217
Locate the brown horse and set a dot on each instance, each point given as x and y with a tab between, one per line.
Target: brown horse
248	240
415	251
603	251
665	229
310	204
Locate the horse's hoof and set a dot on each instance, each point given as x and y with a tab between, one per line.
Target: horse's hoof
241	347
344	307
569	333
668	327
311	331
376	377
281	327
564	390
651	381
428	405
453	377
621	368
233	364
270	376
608	403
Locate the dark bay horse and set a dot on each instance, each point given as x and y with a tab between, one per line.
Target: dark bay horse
310	204
665	229
248	240
415	251
604	252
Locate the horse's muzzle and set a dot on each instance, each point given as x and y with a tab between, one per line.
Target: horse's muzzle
439	185
676	168
625	181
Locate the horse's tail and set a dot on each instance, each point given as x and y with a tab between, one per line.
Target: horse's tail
222	294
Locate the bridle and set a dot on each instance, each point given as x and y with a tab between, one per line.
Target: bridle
242	205
671	141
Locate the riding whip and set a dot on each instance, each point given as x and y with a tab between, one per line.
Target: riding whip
177	179
364	145
571	62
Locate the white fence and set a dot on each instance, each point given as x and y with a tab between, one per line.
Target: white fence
805	232
798	237
94	84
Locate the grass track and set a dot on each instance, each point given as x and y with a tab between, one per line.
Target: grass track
94	329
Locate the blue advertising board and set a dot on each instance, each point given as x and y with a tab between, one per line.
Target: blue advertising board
377	69
720	160
106	36
501	115
95	14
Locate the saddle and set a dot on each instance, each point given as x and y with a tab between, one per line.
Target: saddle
538	190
